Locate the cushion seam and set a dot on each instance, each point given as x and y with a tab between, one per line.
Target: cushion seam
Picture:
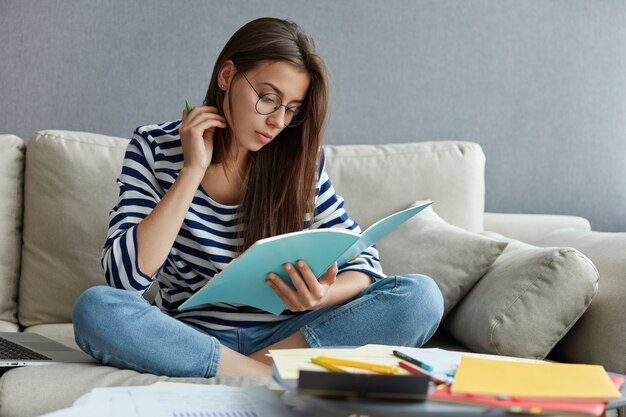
394	154
579	255
404	152
498	320
561	253
58	137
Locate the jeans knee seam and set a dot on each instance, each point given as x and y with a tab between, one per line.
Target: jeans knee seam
310	338
215	357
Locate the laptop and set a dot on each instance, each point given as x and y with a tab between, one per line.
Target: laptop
25	349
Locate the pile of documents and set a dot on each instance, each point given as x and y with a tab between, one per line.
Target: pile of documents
493	384
178	400
533	388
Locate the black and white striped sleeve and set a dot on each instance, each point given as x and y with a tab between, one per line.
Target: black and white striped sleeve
139	194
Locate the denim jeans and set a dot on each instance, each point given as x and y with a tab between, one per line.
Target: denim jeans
120	328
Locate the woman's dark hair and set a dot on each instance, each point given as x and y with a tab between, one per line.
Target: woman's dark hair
279	183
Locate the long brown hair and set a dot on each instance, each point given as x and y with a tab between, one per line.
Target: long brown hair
279	184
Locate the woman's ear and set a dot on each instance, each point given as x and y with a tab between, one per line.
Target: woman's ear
226	75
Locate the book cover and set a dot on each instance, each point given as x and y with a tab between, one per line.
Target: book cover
243	280
560	381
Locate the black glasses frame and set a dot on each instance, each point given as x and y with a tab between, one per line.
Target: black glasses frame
278	106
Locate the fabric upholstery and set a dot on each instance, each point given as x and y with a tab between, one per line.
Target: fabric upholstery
530	227
453	257
70	188
526	302
600	335
12	151
378	180
6	326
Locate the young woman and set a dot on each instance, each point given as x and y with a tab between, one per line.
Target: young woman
196	192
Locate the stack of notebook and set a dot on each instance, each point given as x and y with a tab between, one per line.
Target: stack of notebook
534	388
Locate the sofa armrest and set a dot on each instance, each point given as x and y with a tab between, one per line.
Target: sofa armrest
530	228
600	335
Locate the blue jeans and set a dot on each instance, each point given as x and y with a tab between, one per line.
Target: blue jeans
120	328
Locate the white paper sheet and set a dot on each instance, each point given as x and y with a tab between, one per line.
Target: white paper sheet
179	401
443	362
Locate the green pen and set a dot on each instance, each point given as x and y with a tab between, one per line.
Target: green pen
189	109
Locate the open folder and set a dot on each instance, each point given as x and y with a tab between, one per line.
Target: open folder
243	280
559	381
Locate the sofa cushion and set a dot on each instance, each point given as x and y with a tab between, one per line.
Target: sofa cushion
526	302
53	387
12	151
70	188
589	340
453	257
7	326
377	180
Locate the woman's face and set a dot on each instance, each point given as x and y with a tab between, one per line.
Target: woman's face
251	130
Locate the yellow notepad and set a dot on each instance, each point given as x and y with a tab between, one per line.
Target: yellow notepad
533	380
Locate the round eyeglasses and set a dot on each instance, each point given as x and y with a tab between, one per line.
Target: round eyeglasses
270	102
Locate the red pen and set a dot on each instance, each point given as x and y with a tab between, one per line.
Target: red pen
418	371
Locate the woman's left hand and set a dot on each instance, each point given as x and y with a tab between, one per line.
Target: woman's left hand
308	293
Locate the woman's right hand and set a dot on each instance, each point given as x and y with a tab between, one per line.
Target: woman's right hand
196	135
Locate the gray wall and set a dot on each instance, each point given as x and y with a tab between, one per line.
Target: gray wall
541	85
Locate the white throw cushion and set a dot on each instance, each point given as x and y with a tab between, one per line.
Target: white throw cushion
588	341
526	302
454	258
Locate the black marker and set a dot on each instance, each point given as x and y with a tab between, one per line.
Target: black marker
414	361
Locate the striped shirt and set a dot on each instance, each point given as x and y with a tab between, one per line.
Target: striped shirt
207	240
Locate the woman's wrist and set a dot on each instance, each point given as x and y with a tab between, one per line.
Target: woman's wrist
194	175
348	286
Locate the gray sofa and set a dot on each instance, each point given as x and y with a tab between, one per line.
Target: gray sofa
558	295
